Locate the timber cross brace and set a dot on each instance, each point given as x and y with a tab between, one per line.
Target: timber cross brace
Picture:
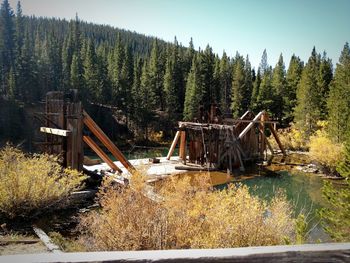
225	146
65	120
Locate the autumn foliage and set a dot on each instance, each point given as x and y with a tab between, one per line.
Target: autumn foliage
190	214
33	183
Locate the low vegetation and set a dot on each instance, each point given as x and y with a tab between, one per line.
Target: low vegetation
34	183
336	216
292	139
190	215
324	151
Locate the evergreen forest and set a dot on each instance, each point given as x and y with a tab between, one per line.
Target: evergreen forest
151	84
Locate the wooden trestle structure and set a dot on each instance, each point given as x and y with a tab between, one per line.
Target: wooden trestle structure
209	145
65	121
225	146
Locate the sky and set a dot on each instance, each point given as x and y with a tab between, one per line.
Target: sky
246	26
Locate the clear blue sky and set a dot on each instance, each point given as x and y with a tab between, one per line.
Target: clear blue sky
246	26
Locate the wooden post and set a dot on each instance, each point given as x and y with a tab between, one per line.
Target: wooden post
75	150
100	153
96	130
183	146
173	145
267	142
262	134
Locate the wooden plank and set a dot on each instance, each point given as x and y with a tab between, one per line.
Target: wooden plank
250	125
96	130
46	240
326	252
183	146
173	145
58	132
101	153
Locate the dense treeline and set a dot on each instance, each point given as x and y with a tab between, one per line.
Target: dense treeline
147	79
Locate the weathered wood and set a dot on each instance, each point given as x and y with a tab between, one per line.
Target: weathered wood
182	153
280	145
46	240
326	252
195	168
96	130
173	145
101	153
74	153
262	132
267	141
249	126
58	132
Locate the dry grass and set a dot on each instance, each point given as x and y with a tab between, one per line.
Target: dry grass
33	183
191	215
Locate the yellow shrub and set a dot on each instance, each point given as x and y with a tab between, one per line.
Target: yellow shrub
291	138
29	183
324	150
191	215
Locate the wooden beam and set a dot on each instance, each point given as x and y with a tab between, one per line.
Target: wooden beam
96	130
249	126
46	240
267	141
274	133
58	132
173	145
262	131
183	146
100	153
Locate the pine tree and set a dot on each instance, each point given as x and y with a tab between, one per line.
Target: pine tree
292	81
117	64
264	66
207	69
336	215
172	99
339	98
238	86
255	93
7	45
126	82
225	83
193	92
279	89
308	109
19	29
76	76
248	85
91	76
27	84
265	98
324	80
146	100
72	47
157	75
216	87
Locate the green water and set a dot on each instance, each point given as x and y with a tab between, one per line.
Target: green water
303	191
